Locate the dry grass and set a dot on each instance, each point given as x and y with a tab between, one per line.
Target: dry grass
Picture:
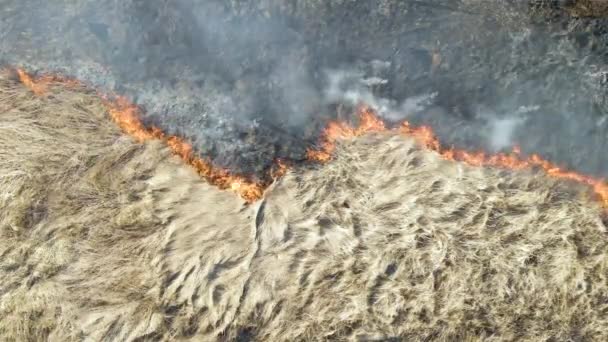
104	239
589	8
88	221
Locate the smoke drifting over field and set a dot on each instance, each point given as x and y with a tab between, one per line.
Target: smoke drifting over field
247	82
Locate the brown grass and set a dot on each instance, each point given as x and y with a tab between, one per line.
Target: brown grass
105	239
589	8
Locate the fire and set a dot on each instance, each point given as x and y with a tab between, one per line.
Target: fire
368	122
127	116
281	168
424	135
37	87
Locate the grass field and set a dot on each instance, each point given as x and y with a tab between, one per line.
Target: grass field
102	238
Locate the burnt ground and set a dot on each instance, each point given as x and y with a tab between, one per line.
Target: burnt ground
246	81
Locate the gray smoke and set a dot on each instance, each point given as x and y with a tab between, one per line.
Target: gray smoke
250	81
354	88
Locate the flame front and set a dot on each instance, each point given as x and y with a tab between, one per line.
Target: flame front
424	135
335	130
39	86
127	116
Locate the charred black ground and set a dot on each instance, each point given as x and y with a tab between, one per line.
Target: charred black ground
250	81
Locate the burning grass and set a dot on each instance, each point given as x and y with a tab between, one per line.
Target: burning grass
128	117
103	238
424	135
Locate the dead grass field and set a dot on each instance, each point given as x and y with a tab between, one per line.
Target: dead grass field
105	239
589	8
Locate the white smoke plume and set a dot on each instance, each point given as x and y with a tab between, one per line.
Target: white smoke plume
495	131
353	87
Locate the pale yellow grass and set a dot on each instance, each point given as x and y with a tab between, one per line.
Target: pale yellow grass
105	239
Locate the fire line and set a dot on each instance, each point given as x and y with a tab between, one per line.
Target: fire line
424	135
127	116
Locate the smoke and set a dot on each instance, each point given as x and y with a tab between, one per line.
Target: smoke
299	98
248	82
501	132
258	59
353	87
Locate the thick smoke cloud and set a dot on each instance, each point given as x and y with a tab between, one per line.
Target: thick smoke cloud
250	81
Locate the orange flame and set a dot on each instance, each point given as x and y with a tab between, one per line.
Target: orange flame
281	168
38	88
127	116
368	122
39	85
424	135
